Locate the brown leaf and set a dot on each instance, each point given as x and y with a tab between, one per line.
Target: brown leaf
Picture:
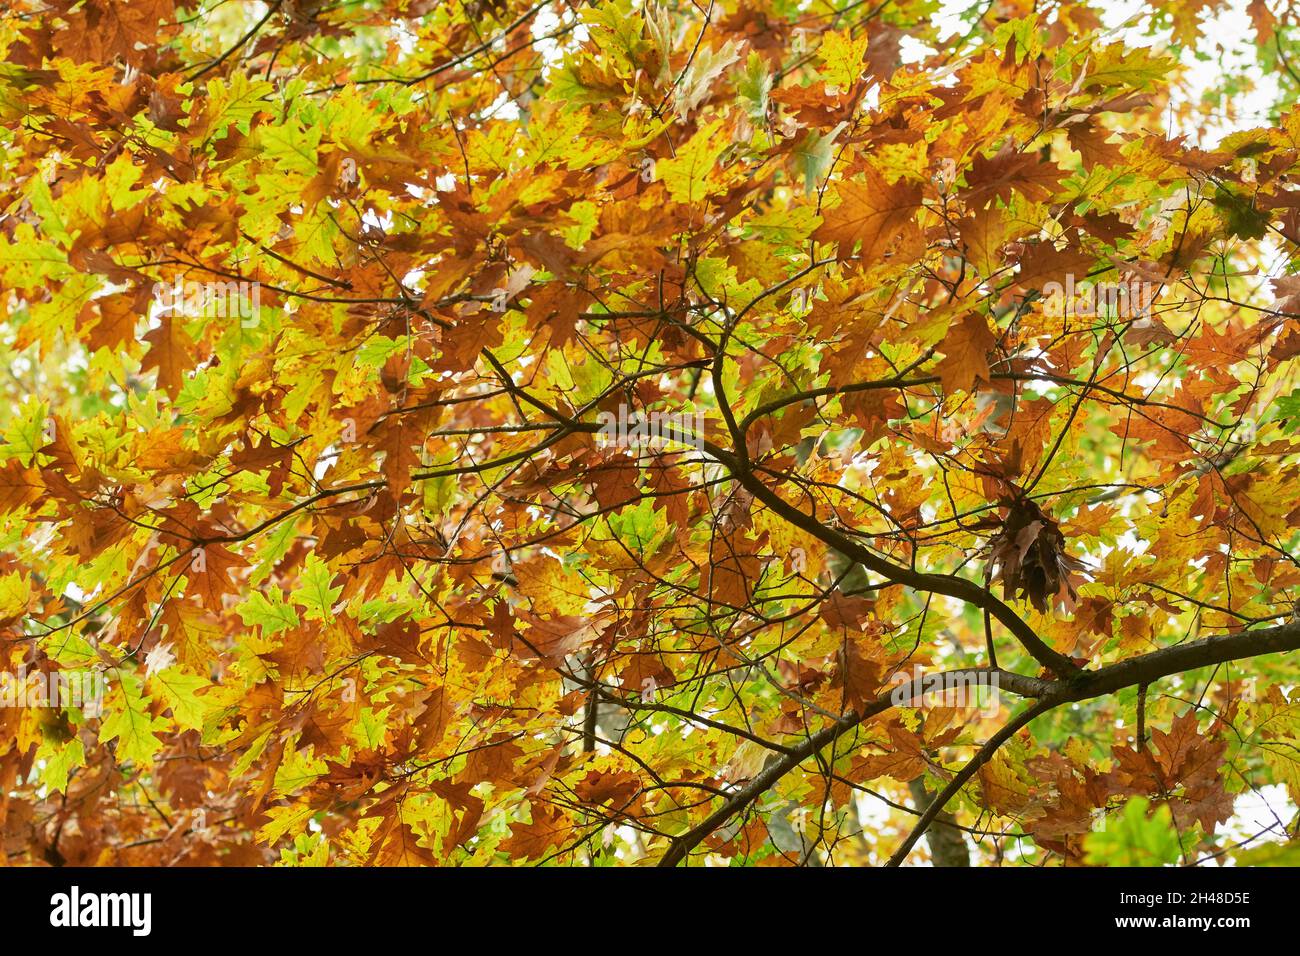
170	353
966	348
1009	171
19	486
209	573
870	211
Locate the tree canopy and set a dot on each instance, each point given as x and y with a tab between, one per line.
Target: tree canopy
730	432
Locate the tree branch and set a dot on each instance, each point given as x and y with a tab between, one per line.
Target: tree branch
1144	669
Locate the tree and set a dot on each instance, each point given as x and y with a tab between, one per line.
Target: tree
645	433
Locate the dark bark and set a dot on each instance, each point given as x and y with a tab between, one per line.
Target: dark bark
948	845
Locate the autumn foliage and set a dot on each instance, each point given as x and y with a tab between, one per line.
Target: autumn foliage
317	316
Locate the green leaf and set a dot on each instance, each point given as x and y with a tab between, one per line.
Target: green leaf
1132	838
181	691
130	723
271	615
59	760
315	594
